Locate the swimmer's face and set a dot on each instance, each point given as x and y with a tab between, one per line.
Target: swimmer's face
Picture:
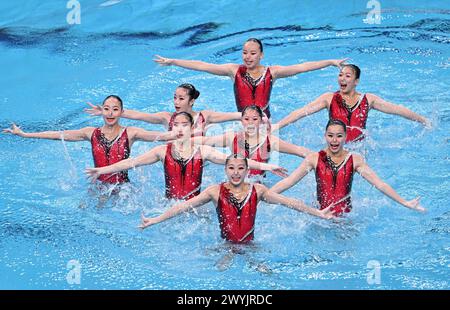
182	126
335	136
236	171
182	101
251	122
251	55
111	111
347	80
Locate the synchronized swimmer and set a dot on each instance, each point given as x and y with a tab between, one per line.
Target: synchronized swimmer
254	141
349	106
236	203
188	147
252	81
183	161
110	143
183	101
334	167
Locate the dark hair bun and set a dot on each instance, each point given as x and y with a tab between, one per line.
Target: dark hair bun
191	90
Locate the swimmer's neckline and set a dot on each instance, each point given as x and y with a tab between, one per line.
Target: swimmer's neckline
255	82
355	106
336	167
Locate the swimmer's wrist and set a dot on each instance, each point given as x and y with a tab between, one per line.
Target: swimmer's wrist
425	121
156	220
404	203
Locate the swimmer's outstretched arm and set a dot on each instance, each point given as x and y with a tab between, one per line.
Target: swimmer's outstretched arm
298	174
147	158
298	205
204	197
224	70
66	135
220	141
318	104
288	148
153	118
367	173
387	107
285	71
217	157
136	133
220	117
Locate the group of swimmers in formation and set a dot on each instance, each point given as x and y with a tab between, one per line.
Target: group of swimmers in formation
188	147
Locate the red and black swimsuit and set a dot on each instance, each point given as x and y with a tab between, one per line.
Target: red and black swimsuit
355	118
248	91
259	153
237	219
334	183
199	124
183	179
106	153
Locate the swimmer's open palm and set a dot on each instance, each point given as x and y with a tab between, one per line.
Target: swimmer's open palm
162	60
95	110
339	62
92	174
279	171
15	130
415	205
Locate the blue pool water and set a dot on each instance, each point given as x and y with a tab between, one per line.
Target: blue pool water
50	69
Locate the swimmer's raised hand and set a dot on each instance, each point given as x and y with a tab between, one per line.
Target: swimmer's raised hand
15	130
415	205
162	60
339	62
95	110
92	174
